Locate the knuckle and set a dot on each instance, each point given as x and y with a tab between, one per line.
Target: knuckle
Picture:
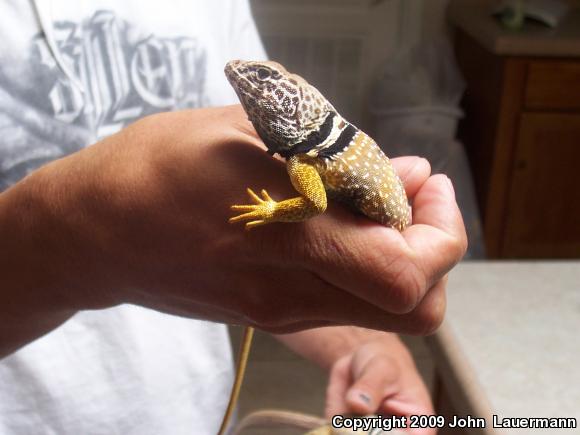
427	320
381	364
341	367
459	244
367	385
407	284
464	244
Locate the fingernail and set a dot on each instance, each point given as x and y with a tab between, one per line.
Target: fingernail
365	398
360	400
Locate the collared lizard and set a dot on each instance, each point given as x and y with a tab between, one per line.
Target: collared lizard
325	154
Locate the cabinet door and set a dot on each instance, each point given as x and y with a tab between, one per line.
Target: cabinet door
543	209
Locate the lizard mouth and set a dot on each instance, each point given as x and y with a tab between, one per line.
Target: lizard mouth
231	67
235	73
237	76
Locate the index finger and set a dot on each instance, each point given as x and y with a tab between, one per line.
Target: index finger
413	171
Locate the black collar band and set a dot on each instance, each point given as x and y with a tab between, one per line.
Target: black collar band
346	136
315	138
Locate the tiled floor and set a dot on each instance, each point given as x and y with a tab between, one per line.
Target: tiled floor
278	378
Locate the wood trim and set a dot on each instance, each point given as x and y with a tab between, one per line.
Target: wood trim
492	103
444	406
553	85
510	106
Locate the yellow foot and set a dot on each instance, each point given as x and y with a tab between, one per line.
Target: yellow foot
260	213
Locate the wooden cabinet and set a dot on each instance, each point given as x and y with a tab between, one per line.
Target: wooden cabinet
553	85
543	211
522	134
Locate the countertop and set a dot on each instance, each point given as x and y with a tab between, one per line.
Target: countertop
474	18
510	344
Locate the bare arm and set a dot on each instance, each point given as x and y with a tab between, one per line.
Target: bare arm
33	300
325	346
370	371
50	262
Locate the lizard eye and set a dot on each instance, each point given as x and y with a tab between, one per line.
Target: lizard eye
263	73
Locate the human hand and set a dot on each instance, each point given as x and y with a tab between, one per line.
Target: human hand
378	377
141	217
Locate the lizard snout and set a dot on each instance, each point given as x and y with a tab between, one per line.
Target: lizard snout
231	66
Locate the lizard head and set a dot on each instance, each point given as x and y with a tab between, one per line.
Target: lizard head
283	107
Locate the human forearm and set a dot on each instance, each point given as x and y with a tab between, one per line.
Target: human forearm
31	301
56	257
325	346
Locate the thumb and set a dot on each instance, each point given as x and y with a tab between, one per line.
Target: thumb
339	381
373	381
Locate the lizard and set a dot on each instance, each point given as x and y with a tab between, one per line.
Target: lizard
326	156
277	418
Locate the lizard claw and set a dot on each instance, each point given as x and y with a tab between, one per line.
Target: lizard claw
259	213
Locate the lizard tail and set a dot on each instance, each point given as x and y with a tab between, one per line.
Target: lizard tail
271	418
240	371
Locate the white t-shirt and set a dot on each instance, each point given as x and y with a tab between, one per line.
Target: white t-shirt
70	74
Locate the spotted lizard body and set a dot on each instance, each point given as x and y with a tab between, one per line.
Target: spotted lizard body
325	154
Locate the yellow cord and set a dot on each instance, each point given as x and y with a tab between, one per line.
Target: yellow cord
242	362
